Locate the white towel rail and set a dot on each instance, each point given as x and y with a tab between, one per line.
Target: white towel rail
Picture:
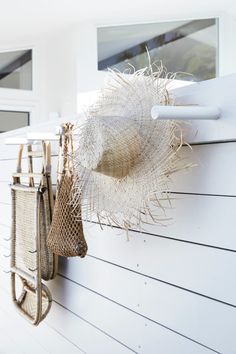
157	112
185	112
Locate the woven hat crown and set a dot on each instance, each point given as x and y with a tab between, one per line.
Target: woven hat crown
109	145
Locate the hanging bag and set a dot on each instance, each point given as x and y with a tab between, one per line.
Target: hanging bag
66	237
32	208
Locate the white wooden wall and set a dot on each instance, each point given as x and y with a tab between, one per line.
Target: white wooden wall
170	290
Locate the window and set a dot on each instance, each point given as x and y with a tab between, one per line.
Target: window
10	120
16	70
182	46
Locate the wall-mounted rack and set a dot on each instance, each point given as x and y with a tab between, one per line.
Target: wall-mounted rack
158	112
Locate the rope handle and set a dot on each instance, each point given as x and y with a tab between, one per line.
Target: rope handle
47	153
64	165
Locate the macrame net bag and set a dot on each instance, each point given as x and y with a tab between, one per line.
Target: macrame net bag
124	159
66	237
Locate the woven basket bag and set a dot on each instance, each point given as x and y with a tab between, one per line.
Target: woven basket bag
31	261
66	237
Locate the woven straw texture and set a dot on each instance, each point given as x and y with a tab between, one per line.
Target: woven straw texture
124	159
31	215
29	302
24	227
115	156
66	237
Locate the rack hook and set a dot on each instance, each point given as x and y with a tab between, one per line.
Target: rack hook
7	239
32	270
7	271
32	252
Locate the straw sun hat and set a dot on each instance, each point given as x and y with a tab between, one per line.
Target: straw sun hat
124	159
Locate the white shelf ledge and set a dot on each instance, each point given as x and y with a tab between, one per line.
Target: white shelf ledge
32	138
16	141
43	136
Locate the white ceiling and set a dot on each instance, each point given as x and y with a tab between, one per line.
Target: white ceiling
37	17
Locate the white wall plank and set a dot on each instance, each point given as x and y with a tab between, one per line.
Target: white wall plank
197	317
19	332
84	303
86	336
136	332
167	260
154	336
214	173
195	218
10	344
213	93
202	219
44	338
61	324
179	263
212	218
90	306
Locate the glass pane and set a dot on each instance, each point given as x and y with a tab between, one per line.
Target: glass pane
16	70
10	120
182	46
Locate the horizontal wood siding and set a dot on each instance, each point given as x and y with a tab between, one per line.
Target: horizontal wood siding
167	290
